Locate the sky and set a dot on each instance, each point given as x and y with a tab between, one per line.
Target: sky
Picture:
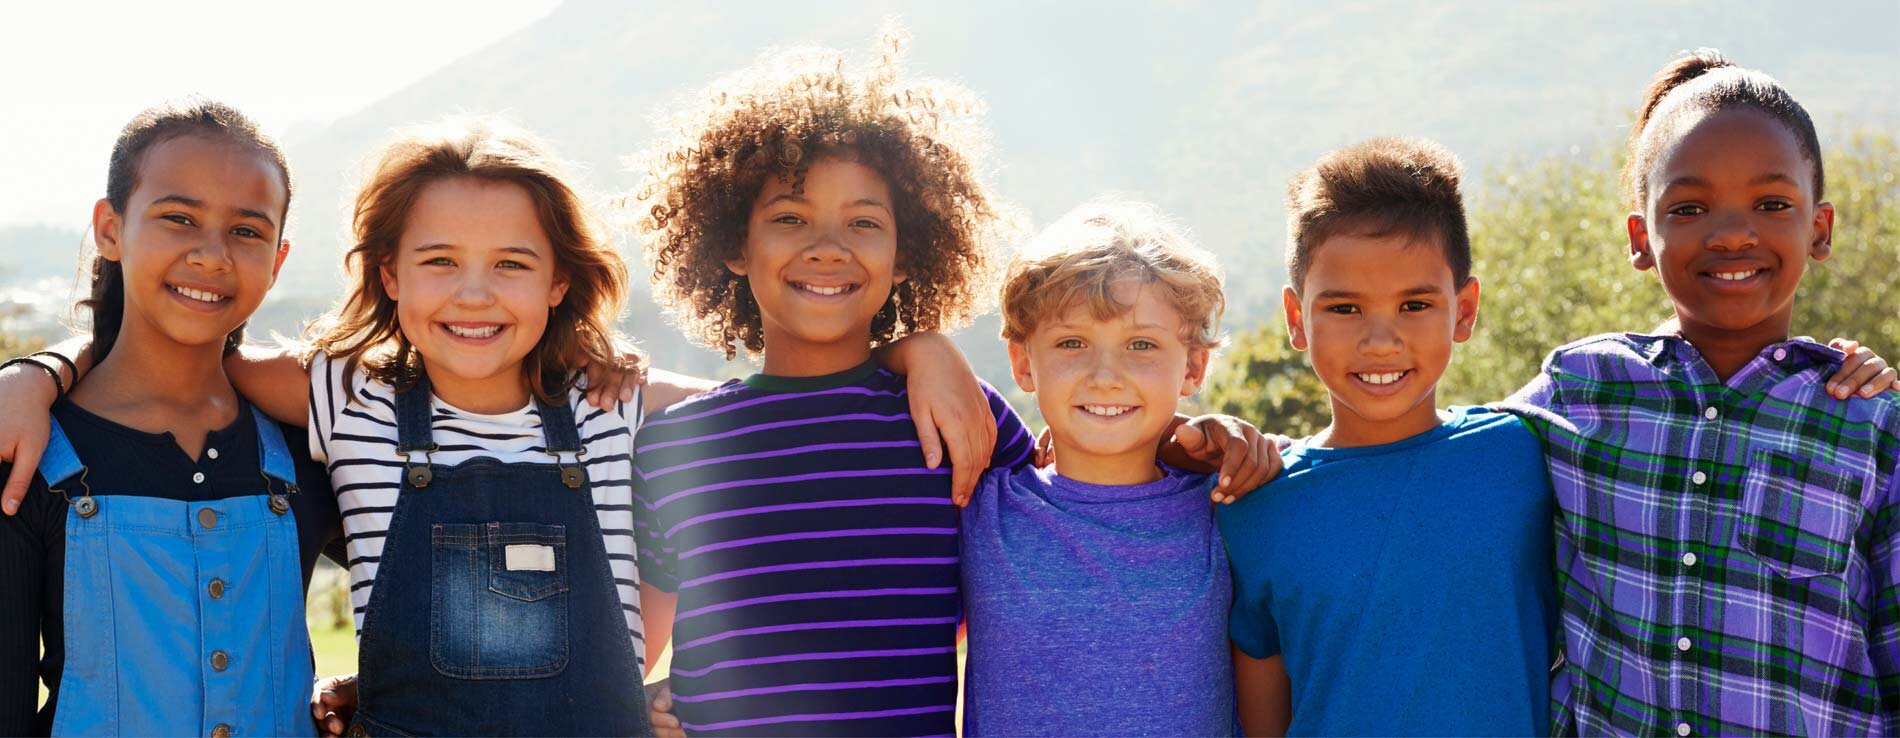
77	71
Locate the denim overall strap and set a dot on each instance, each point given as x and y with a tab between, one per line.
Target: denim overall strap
495	611
185	618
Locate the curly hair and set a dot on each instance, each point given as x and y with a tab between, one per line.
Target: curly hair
774	119
365	331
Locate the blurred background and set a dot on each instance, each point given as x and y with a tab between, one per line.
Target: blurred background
1204	108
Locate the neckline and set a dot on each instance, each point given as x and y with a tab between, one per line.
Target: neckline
834	380
1459	416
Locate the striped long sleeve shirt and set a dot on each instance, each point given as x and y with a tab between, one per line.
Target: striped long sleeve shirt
1727	555
814	555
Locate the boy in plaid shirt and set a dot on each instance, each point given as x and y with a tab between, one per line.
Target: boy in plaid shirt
1728	527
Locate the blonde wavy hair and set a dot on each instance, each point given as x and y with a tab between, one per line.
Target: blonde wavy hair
1081	258
364	330
774	119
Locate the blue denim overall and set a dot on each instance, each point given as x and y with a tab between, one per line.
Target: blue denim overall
183	618
494	610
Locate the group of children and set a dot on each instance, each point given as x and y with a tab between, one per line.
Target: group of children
528	513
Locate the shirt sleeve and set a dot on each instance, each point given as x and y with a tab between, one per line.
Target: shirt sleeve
1250	625
1536	402
1884	631
657	561
328	396
1015	447
24	560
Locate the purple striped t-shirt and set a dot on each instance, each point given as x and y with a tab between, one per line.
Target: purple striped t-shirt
814	555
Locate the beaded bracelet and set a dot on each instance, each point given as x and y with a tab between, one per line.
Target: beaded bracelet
59	386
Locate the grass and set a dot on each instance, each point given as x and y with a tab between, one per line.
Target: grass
336	649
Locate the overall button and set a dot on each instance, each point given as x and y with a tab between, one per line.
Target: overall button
197	477
211	452
220	660
217	589
208	517
221	731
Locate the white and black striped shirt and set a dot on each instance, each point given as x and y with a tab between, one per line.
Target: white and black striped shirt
354	435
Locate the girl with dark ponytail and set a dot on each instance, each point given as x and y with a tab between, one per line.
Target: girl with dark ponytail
1728	528
162	549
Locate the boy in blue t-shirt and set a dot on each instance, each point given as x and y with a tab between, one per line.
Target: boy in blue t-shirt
1396	580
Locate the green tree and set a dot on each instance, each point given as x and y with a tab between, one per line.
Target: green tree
1549	248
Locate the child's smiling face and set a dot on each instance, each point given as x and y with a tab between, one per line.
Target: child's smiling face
1108	387
1379	315
1729	224
474	278
198	240
821	261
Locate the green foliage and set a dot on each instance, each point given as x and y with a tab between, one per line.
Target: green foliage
1550	251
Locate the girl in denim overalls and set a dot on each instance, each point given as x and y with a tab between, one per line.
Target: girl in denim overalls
163	551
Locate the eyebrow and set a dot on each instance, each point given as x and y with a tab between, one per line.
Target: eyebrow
196	203
1769	178
1423	289
444	246
793	197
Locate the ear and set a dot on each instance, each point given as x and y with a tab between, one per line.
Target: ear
898	276
106	230
283	252
1019	366
1823	245
1640	256
1467	311
1196	371
1295	318
736	264
388	274
557	291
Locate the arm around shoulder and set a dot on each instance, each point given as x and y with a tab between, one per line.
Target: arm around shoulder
274	379
665	389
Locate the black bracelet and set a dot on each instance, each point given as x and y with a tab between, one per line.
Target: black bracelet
71	368
58	386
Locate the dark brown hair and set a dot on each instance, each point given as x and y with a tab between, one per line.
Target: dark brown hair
1705	81
1385	186
773	120
105	302
365	330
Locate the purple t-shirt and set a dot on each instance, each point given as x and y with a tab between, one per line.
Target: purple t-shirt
1095	610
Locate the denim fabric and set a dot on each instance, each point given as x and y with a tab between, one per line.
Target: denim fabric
491	576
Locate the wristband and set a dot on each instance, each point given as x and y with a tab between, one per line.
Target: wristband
59	387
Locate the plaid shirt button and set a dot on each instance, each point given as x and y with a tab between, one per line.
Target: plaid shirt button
1698	477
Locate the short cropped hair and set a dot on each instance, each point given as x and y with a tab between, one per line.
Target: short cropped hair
1082	257
1381	187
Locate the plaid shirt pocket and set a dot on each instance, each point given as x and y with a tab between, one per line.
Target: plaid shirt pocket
1798	517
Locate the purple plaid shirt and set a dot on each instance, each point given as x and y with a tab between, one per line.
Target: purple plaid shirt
1726	552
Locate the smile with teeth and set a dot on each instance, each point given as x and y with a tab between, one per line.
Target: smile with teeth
1106	411
1382	377
826	291
199	295
472	332
1735	276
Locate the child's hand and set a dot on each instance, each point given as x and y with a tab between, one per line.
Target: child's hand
660	710
333	704
1247	457
26	399
951	410
609	384
1863	372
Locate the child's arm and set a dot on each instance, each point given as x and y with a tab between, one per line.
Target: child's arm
948	406
1862	373
664	389
656	629
1263	693
1245	457
26	402
274	379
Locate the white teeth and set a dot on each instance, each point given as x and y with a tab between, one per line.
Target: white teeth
826	291
1736	276
1108	411
1386	378
482	332
199	295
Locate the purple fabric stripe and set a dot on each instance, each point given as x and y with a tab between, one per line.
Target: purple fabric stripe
849	533
863	391
822	625
866	502
663	471
836	594
817	656
774	426
814	717
928	561
852	473
814	687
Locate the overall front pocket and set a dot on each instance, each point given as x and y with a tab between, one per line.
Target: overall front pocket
1798	517
499	609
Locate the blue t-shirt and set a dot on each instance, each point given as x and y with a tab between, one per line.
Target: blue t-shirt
1094	609
1407	586
814	555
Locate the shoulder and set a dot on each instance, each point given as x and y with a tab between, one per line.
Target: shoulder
1487	423
1605	347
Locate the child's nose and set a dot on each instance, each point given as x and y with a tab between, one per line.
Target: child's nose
1732	232
827	247
473	289
211	254
1381	339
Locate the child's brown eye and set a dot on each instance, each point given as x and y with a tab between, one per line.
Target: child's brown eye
1416	305
178	218
1342	309
247	232
1776	205
1686	210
